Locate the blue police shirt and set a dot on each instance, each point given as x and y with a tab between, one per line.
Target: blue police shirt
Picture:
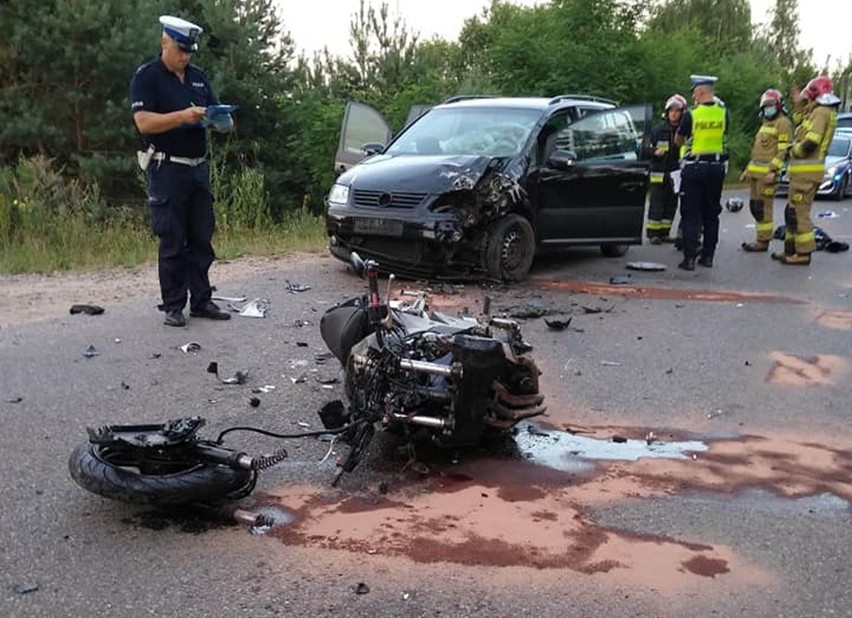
156	89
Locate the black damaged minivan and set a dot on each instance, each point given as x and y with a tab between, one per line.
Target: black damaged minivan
474	187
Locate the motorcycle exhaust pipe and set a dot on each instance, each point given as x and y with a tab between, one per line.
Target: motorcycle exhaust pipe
433	368
426	421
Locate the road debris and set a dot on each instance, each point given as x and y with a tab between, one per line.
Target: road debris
619	439
18	399
621	280
230	299
646	266
240	377
361	588
190	348
607	363
255	308
294	288
268	388
91	352
87	309
254	402
25	588
558	324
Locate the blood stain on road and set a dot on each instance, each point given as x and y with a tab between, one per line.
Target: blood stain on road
793	370
840	320
658	293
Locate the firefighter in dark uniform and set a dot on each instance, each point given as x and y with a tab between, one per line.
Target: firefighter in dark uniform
665	160
768	155
169	99
806	168
703	130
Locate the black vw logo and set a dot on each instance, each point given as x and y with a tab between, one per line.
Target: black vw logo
385	200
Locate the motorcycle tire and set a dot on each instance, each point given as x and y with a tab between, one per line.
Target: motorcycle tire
200	482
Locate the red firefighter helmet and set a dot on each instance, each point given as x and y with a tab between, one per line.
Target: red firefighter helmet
772	98
817	87
676	101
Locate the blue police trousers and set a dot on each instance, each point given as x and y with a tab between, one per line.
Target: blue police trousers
700	206
181	205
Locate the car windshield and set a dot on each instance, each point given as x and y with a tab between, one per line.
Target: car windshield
489	131
844	123
839	147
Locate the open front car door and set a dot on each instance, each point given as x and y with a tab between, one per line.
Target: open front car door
364	132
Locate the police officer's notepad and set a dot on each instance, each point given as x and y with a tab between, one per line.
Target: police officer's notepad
219	115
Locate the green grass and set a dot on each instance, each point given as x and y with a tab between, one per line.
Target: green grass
74	244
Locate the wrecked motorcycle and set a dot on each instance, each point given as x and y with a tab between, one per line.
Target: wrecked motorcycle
448	381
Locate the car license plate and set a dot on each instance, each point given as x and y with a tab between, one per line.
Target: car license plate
377	227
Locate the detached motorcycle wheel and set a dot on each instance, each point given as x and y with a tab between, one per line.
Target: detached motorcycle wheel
511	248
95	470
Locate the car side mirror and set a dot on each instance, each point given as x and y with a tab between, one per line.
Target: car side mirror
562	159
372	148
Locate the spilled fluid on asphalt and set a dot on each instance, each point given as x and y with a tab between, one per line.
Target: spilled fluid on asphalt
577	453
273	517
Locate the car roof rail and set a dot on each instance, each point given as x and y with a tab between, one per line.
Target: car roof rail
465	97
581	97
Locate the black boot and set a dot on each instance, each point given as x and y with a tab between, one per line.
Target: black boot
706	261
688	263
211	311
174	318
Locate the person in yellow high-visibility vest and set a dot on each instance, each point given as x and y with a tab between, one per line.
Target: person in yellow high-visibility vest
768	156
806	169
703	129
665	161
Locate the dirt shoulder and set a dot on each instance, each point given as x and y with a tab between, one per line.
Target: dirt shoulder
32	298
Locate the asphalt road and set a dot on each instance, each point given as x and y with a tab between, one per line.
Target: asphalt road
750	360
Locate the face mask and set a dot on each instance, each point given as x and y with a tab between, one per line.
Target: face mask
769	112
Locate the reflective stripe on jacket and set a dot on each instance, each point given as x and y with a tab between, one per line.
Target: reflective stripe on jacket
817	129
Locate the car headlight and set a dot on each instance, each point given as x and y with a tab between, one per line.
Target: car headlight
339	194
831	171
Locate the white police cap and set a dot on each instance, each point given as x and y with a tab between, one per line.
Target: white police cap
184	33
703	80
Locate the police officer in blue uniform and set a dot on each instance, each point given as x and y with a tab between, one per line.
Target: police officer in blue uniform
169	99
704	131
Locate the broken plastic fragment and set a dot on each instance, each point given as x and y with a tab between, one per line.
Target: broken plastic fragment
646	266
620	280
239	377
254	402
230	299
87	309
607	363
295	287
190	348
558	324
361	588
255	308
91	351
25	588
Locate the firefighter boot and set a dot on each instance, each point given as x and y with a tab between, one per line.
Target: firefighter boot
759	246
797	259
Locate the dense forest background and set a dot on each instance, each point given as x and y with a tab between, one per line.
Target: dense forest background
67	138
